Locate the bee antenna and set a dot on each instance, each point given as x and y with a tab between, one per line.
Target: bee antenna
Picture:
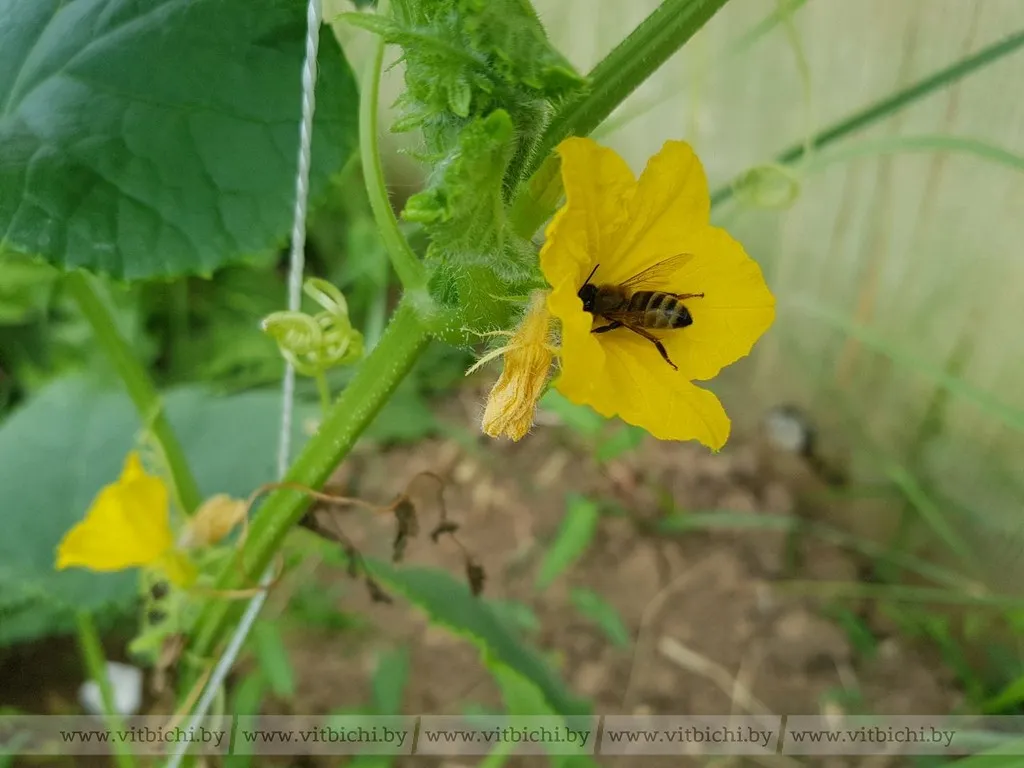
585	282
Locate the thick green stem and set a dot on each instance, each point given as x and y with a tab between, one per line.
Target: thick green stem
620	72
140	387
409	269
377	377
96	665
881	109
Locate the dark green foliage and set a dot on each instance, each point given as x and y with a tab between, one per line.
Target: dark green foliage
465	58
158	139
481	79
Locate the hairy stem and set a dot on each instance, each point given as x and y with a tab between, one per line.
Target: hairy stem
402	343
408	268
620	72
140	387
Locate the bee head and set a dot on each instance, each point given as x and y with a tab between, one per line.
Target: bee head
587	294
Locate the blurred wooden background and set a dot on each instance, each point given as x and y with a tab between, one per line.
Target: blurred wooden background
899	275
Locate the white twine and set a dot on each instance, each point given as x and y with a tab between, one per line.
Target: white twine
296	268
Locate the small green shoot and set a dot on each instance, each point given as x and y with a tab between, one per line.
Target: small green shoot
573	539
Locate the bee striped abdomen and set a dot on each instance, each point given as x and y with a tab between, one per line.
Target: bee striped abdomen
660	309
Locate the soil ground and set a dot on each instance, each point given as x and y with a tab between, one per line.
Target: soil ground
714	631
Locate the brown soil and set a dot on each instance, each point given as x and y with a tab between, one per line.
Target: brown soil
714	630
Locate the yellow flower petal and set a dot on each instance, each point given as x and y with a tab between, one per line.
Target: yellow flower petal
736	310
598	185
669	207
126	526
597	181
178	569
621	379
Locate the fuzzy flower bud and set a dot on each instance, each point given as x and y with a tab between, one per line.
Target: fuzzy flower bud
513	399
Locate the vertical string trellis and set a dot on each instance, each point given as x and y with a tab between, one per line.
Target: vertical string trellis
296	269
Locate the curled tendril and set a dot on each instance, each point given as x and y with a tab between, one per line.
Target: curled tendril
770	186
314	343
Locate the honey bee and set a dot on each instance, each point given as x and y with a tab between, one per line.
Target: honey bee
633	306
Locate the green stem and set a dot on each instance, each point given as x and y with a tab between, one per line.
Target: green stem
399	347
96	665
636	110
620	72
324	390
887	106
140	387
408	268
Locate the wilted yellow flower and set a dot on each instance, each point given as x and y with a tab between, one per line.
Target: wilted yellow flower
214	520
127	526
614	227
513	399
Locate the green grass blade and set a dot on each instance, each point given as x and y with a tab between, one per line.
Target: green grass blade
902	593
753	521
1008	415
765	26
924	143
573	539
893	103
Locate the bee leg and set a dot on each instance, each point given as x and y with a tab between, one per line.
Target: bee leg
656	342
610	327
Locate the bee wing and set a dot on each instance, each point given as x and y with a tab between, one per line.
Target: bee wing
626	317
656	275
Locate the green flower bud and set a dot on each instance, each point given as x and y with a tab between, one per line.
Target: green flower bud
768	186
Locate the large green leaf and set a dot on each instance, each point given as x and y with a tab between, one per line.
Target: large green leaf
68	442
449	603
159	138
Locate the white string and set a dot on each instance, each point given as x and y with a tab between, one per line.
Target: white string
296	268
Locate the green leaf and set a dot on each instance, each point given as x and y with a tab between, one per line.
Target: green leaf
246	700
580	418
68	442
1007	700
405	418
516	615
574	536
389	681
273	659
595	608
621	441
449	603
159	138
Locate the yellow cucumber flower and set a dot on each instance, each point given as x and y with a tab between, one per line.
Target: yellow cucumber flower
127	526
614	227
